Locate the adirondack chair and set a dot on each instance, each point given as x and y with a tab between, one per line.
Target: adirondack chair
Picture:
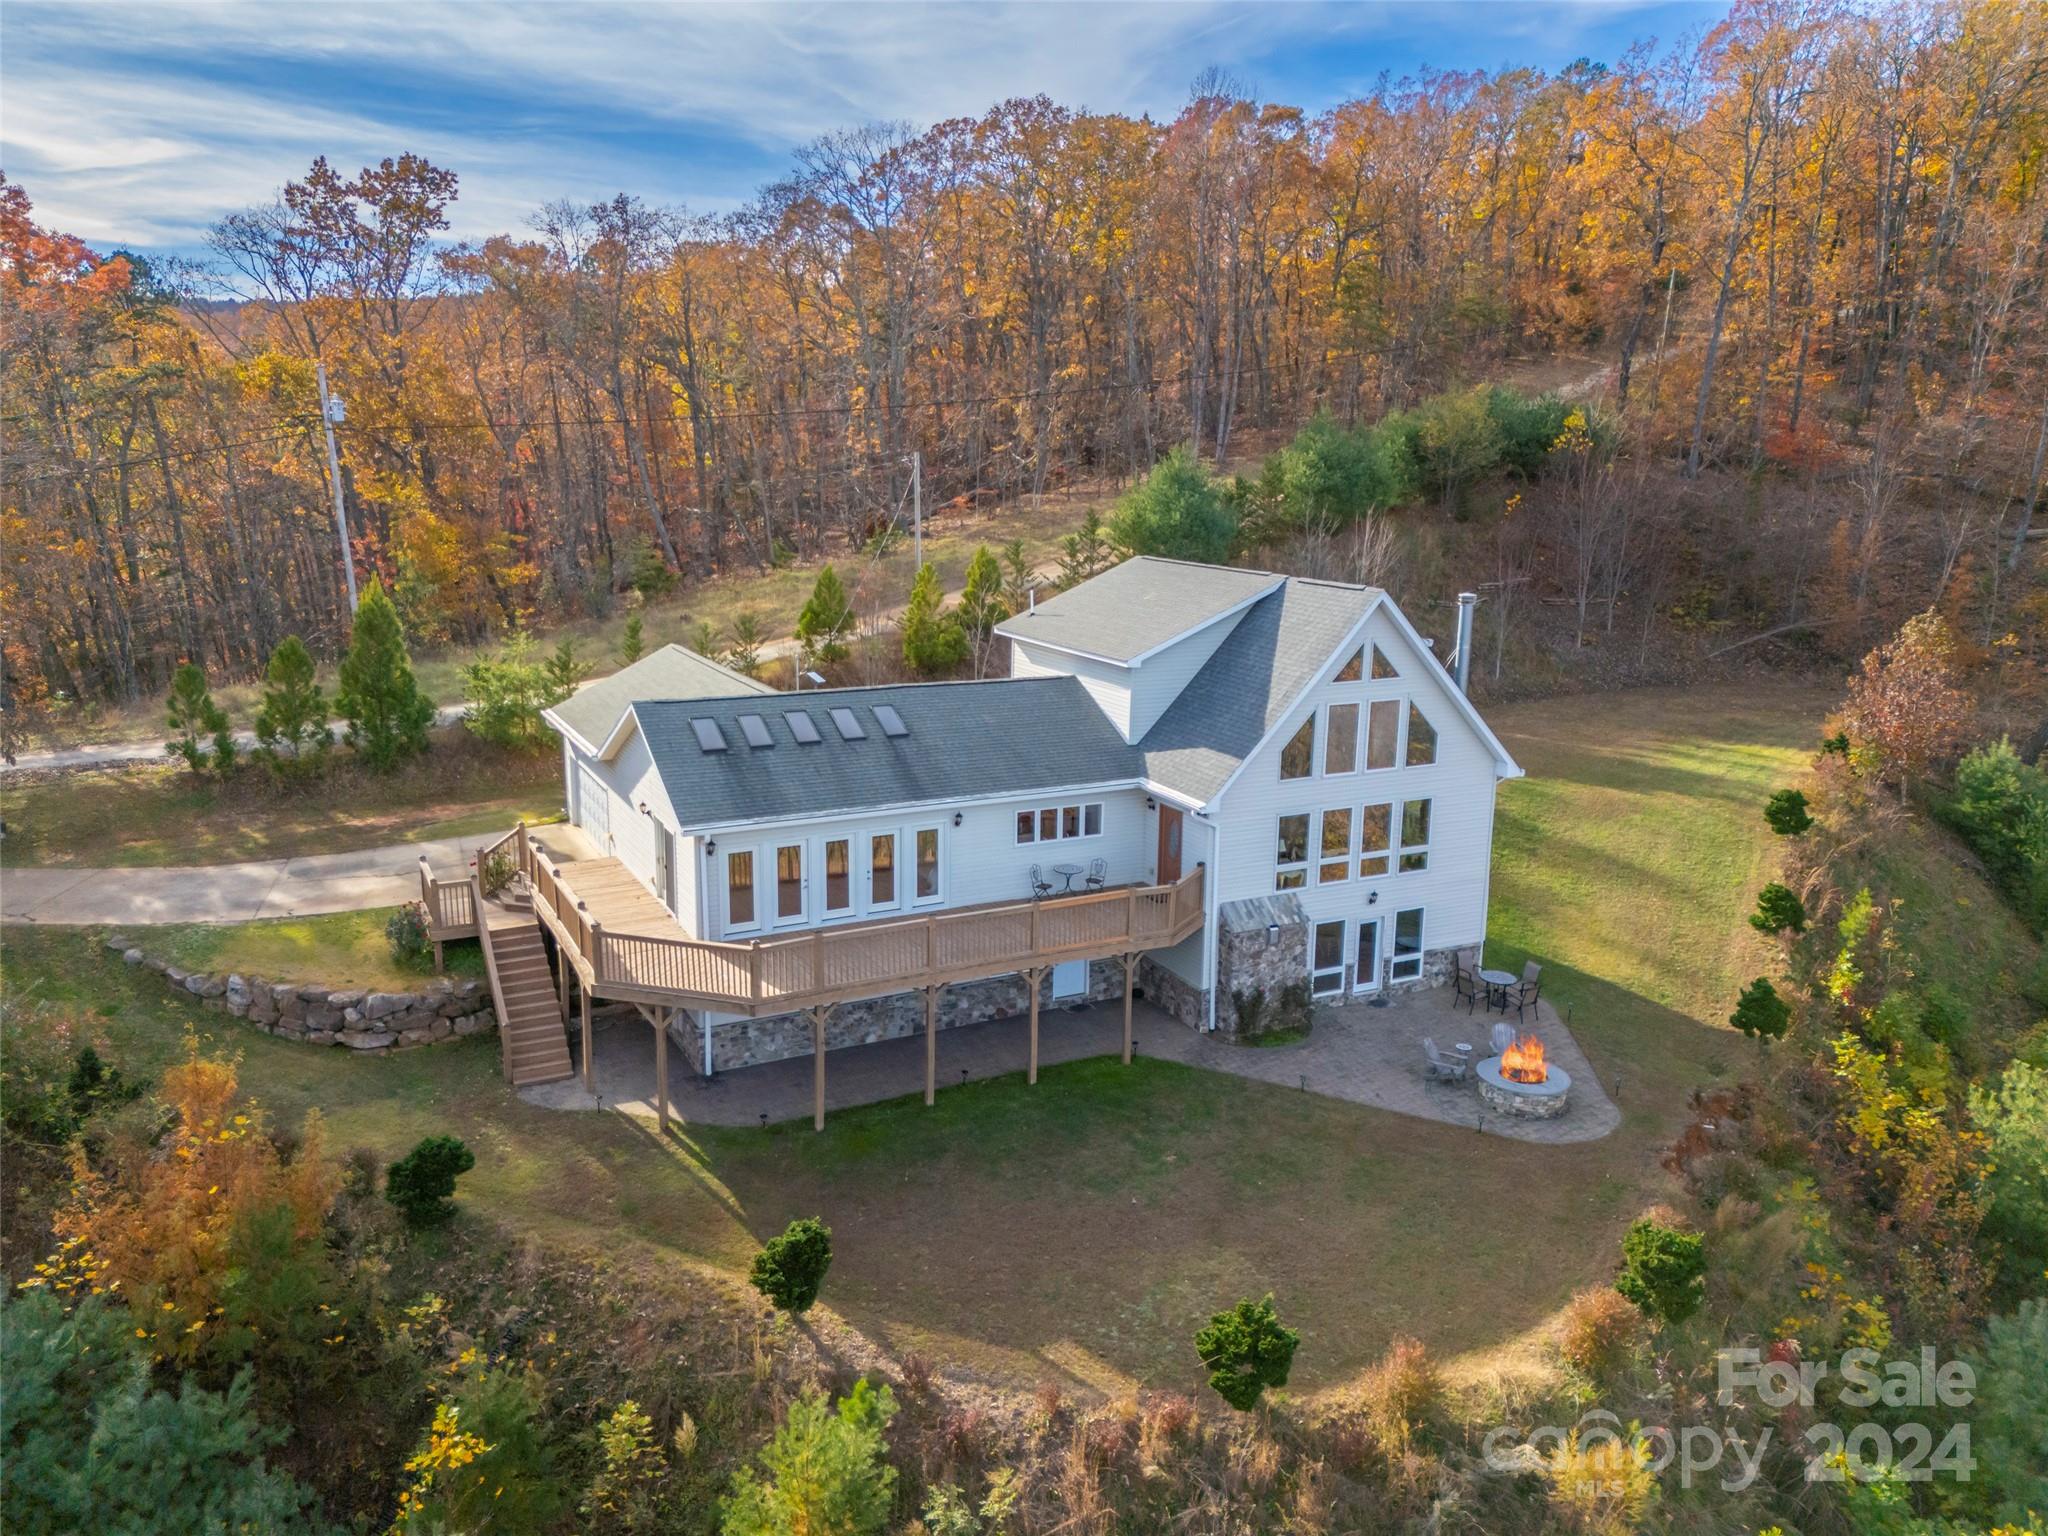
1438	1066
1503	1037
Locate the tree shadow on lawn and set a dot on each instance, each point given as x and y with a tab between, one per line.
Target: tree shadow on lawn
1104	1214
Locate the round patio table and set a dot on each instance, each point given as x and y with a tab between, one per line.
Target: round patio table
1069	873
1497	984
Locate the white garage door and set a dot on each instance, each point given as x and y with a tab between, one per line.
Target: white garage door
593	806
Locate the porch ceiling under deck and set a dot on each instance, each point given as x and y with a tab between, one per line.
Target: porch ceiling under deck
648	958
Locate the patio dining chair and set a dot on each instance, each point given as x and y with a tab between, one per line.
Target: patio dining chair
1528	990
1464	981
1438	1067
1040	886
1098	874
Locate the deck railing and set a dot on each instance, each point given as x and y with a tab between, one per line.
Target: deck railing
778	973
450	905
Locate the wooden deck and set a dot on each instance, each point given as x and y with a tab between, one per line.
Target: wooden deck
615	941
623	943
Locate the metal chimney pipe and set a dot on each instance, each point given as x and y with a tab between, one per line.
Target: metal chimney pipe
1467	601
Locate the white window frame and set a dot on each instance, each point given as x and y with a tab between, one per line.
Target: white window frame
1400	703
725	857
1037	813
1362	980
1436	742
1386	850
1360	708
826	912
1320	855
910	836
1402	850
1395	960
1343	927
773	848
1313	826
1313	723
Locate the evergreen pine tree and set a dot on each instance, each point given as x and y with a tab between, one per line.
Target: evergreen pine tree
292	725
983	605
631	643
933	641
203	736
827	619
387	714
1760	1013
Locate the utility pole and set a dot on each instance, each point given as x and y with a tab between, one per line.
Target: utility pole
917	509
332	411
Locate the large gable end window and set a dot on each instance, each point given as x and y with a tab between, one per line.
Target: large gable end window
1381	667
1383	733
1291	857
1352	670
1298	757
1421	739
1340	749
1414	836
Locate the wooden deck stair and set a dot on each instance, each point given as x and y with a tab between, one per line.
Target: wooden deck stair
531	1032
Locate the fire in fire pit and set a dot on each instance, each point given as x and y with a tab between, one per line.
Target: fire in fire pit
1522	1061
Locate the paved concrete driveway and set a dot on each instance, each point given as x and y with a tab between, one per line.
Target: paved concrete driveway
230	893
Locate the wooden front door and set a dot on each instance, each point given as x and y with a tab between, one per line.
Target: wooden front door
1169	845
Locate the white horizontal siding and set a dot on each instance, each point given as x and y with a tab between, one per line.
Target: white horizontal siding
979	861
1108	684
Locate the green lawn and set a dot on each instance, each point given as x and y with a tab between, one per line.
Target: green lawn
345	949
156	814
1082	1229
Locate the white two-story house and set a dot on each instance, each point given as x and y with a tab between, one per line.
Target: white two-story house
1278	766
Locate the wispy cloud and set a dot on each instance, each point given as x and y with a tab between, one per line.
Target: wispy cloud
142	123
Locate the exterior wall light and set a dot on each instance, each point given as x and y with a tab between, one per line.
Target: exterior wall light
957	818
1151	804
710	847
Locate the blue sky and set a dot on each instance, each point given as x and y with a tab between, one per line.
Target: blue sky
139	124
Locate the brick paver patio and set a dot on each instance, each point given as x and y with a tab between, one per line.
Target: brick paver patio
1358	1053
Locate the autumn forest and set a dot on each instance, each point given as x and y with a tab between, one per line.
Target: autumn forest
1803	256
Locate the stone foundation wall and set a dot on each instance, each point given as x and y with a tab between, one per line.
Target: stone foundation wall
748	1042
321	1015
1180	1000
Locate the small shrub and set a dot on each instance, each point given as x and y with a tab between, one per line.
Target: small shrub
495	870
203	738
1778	909
406	933
826	1470
2000	806
649	574
1295	1007
1602	1485
1663	1270
934	641
790	1269
1786	813
1250	1004
421	1182
1246	1351
1403	1393
1760	1013
1599	1334
633	640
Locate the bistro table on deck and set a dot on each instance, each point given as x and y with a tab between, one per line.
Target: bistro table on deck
1072	872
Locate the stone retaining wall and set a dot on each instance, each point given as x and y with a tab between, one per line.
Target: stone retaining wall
322	1015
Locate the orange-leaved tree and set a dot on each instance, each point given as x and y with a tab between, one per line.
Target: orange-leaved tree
167	1228
1908	707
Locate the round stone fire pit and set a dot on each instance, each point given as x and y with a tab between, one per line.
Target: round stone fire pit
1526	1101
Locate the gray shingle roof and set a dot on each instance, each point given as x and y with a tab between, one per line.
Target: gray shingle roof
1137	607
1012	735
1243	690
672	672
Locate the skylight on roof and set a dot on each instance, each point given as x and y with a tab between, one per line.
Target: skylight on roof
755	729
849	726
801	727
709	737
892	723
